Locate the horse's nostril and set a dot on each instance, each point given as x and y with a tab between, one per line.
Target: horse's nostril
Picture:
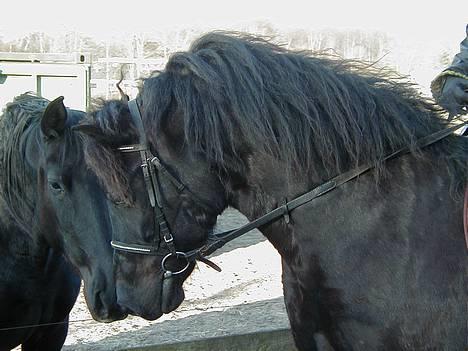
107	311
98	304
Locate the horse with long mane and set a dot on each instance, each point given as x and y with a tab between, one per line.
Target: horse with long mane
51	217
376	264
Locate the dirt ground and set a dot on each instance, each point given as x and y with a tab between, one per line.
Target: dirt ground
245	297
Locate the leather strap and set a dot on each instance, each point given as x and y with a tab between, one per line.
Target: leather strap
465	215
136	117
217	241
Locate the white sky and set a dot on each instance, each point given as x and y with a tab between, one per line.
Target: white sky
419	29
426	19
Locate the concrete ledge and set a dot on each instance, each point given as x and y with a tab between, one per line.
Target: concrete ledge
275	340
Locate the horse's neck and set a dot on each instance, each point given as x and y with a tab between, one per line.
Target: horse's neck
15	242
268	184
266	189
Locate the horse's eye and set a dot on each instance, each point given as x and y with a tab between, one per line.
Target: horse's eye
120	204
56	187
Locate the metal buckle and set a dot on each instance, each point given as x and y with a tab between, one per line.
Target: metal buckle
155	161
178	254
168	239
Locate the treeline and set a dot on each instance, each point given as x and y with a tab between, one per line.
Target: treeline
144	51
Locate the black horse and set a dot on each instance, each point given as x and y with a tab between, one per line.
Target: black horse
376	264
49	205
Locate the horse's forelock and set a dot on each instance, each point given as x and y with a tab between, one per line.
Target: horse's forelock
109	170
108	115
112	120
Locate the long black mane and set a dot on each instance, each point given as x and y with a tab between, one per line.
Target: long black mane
16	179
20	134
308	110
312	111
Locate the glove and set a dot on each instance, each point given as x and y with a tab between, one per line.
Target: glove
454	96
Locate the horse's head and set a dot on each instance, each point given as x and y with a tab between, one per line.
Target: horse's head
172	205
66	206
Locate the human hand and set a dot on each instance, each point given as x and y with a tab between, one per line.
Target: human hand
454	96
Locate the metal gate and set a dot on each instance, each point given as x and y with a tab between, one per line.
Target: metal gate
48	75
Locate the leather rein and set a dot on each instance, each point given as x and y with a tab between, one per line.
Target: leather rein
152	167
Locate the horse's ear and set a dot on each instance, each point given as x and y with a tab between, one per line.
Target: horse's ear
54	118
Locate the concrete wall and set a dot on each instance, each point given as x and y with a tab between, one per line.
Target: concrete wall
275	340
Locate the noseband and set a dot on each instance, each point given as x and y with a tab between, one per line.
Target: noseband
152	166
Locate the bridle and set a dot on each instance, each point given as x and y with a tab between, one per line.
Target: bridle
152	166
